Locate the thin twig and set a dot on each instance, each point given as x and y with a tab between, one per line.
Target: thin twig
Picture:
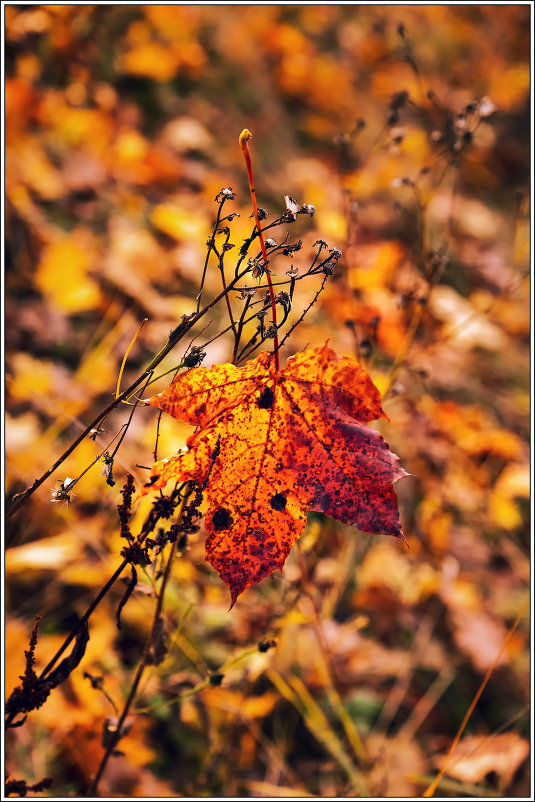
157	435
210	246
237	333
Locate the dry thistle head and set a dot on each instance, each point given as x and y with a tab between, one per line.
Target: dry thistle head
62	493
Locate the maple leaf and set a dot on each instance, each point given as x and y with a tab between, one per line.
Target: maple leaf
290	441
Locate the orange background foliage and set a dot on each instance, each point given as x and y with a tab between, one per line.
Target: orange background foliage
121	126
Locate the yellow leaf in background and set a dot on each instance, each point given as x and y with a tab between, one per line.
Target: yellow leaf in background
333	224
178	222
151	59
186	133
62	276
32	377
463	324
77	126
504	511
173	22
373	265
386	566
435	522
381	381
234	702
416	145
130	147
508	87
51	553
462	595
514	480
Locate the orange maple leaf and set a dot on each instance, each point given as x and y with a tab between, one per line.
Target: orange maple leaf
289	441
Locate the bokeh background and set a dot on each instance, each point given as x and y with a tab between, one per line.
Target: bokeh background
408	128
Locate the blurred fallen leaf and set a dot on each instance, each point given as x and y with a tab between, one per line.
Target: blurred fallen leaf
479	755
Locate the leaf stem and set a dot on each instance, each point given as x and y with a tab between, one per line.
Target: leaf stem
245	136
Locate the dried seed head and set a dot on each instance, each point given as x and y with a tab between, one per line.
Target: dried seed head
257	267
328	268
292	248
284	299
194	356
93	434
291	205
262	213
63	492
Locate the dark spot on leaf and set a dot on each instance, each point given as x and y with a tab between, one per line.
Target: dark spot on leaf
278	502
222	519
266	398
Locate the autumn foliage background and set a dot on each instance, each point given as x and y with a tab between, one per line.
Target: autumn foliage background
121	128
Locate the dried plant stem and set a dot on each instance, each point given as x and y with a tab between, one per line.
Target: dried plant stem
103	591
238	333
145	657
21	498
227	296
309	307
210	247
84	619
245	136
